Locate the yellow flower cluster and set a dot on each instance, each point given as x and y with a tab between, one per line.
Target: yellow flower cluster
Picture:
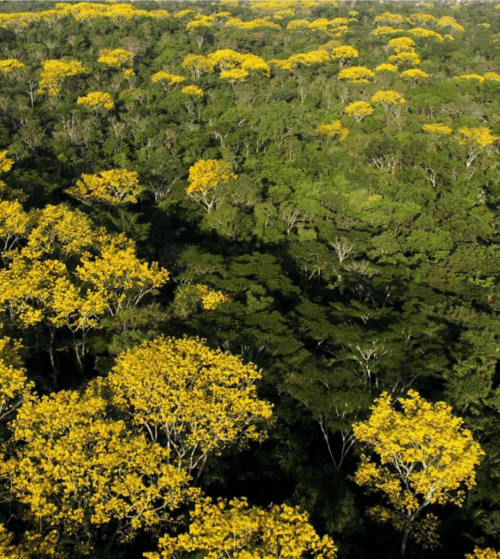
117	58
113	187
359	110
75	469
166	79
82	11
97	100
39	282
437	129
480	135
198	400
413	75
236	530
236	66
14	386
487	553
388	98
252	24
193	91
54	72
206	178
487	76
423	455
333	130
7	66
356	74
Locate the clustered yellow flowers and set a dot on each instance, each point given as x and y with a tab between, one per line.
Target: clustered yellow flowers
54	72
193	91
437	129
424	456
388	98
113	187
116	58
235	528
359	110
97	100
333	130
356	74
166	79
207	178
8	66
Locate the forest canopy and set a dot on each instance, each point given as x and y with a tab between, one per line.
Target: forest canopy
249	279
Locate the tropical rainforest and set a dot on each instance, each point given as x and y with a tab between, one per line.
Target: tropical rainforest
249	280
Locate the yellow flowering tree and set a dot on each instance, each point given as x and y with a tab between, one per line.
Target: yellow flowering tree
207	179
97	100
8	66
416	457
62	272
333	130
166	80
437	129
359	110
116	58
193	91
477	139
112	188
198	64
236	530
388	98
414	75
356	74
14	386
193	400
75	472
487	553
54	72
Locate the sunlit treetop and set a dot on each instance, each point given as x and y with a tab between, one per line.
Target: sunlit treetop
387	18
333	130
414	75
492	76
235	75
422	32
385	30
470	77
7	66
421	19
406	57
388	98
113	187
252	24
184	13
448	21
193	91
194	399
356	74
401	44
480	135
117	58
359	110
236	530
437	129
54	72
166	80
200	21
386	68
97	100
198	64
226	59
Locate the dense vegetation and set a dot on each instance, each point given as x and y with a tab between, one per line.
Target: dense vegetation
249	282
